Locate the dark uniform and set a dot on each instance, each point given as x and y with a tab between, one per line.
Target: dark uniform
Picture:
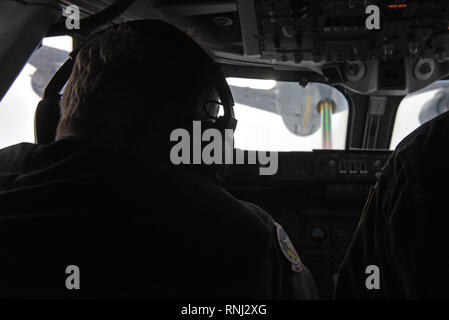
134	229
403	229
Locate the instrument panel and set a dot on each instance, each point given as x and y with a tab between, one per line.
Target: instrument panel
372	47
318	198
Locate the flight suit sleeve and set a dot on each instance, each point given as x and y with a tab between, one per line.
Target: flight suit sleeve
291	280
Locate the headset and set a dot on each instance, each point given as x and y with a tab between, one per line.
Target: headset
47	113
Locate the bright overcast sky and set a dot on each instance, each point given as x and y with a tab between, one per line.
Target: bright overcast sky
18	106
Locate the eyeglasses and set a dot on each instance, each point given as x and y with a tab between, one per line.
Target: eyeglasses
212	109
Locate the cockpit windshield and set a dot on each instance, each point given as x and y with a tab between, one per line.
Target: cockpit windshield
284	116
419	107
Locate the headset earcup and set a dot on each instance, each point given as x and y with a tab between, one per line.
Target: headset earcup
46	120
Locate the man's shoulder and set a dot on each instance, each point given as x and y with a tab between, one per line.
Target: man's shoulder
210	199
13	157
426	145
23	154
433	132
260	214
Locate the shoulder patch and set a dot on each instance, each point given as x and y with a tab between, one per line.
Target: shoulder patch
288	249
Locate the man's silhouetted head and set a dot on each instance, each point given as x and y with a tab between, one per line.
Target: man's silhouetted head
136	80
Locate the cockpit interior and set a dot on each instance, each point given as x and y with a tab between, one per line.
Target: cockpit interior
331	86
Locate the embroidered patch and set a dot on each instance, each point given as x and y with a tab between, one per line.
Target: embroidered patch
288	249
